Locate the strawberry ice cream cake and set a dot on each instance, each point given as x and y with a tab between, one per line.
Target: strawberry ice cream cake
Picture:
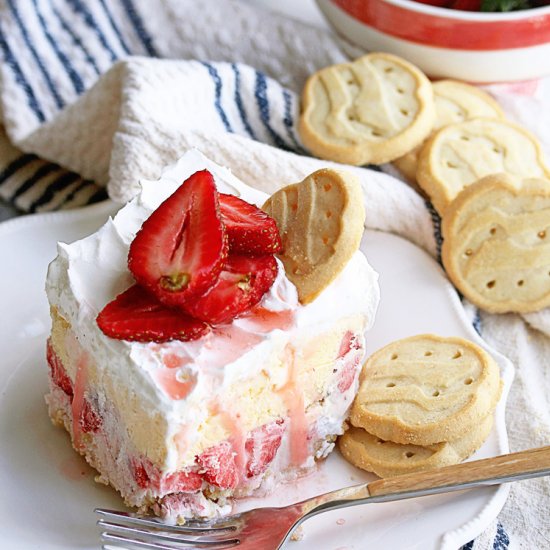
181	362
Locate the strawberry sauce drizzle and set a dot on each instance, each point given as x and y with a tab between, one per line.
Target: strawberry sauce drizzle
77	406
237	438
264	320
177	384
293	398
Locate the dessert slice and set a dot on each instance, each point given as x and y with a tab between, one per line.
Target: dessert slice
184	397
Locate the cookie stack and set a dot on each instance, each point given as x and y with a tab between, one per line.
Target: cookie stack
486	177
424	402
442	136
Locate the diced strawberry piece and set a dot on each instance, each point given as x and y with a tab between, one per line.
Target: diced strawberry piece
137	316
90	421
242	283
218	466
249	229
346	344
139	471
180	249
262	445
347	374
59	375
183	481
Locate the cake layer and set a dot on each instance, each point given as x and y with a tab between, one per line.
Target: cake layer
228	458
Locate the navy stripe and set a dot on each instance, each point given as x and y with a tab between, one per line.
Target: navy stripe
76	41
78	85
58	100
501	540
141	31
88	18
289	121
15	166
82	185
20	78
263	106
476	323
239	102
42	172
218	86
115	27
436	221
99	195
468	546
54	187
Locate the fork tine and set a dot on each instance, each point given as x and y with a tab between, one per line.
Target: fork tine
126	542
147	534
193	527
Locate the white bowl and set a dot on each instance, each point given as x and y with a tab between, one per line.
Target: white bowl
446	43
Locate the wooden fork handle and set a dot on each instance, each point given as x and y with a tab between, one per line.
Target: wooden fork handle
490	471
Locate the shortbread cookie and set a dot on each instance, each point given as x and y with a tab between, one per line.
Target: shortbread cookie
454	102
371	110
426	389
459	154
387	459
321	222
496	247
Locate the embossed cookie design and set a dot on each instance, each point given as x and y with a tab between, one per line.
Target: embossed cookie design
460	154
372	110
321	223
387	459
454	102
496	247
426	389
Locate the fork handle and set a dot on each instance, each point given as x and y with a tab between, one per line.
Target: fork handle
478	473
490	471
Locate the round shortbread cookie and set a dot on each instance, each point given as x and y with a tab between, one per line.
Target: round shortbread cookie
460	154
496	246
321	221
426	389
387	459
369	111
454	102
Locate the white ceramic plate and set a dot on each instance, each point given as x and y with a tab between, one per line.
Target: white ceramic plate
48	492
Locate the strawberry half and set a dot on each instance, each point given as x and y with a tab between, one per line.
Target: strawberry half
137	316
241	285
249	230
180	249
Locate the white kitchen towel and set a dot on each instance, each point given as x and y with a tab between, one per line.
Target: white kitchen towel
79	90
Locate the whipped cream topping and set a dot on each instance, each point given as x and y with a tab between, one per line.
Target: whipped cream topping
177	378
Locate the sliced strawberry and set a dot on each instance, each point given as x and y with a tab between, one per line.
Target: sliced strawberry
218	466
180	249
58	373
241	285
249	229
262	445
137	316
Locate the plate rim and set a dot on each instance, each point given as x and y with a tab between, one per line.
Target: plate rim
450	540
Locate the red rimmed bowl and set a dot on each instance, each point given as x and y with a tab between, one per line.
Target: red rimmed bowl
470	46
